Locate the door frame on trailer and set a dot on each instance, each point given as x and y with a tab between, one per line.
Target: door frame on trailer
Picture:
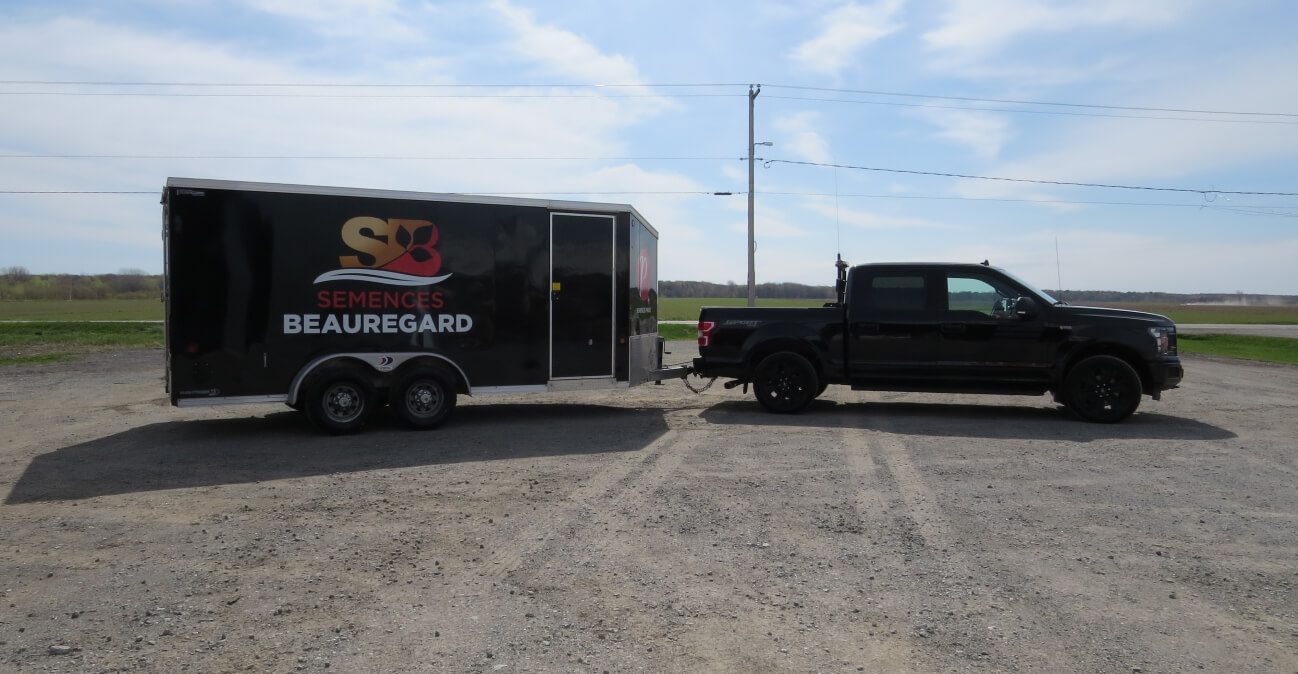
603	379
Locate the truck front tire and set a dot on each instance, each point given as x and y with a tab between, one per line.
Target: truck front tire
339	401
1105	389
423	397
785	382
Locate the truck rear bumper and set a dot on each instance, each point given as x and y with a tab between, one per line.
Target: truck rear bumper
711	368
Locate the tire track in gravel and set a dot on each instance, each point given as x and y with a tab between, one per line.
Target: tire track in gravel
929	575
966	587
538	541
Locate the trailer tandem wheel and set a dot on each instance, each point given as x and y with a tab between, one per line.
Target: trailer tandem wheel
339	400
423	396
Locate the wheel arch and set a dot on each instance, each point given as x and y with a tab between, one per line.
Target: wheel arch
378	368
1125	353
806	346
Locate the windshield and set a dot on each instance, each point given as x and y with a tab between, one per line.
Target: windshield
1043	294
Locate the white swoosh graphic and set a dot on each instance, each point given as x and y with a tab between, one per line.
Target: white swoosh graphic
391	278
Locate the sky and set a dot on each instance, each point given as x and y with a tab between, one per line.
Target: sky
1081	144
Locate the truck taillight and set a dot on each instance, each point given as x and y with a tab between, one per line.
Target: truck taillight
706	328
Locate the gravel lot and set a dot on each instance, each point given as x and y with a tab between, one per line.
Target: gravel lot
649	530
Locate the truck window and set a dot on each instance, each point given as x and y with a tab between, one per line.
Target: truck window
969	295
901	294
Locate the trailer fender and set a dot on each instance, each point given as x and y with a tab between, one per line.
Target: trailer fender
382	363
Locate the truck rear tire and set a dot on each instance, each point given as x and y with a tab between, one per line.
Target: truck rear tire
785	382
339	401
423	397
1104	389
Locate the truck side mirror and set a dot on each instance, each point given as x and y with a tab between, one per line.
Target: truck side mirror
1025	308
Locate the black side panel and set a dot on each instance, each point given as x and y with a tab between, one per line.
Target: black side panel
262	283
582	299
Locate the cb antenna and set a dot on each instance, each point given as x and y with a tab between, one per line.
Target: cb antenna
1059	282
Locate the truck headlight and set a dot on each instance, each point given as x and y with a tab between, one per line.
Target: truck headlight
1164	340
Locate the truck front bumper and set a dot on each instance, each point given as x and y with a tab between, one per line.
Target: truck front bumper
1164	373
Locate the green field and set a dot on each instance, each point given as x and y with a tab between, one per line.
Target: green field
1190	313
48	341
58	329
669	309
687	308
1247	347
81	310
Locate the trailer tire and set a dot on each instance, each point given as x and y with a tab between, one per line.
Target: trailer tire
785	382
423	396
339	400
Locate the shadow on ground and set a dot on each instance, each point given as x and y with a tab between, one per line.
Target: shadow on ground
205	453
967	421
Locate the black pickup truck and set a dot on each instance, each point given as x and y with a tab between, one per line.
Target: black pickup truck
942	327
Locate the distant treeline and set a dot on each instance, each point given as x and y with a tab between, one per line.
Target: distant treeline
17	284
1114	297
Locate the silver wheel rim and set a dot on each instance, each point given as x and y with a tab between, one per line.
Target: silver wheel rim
343	402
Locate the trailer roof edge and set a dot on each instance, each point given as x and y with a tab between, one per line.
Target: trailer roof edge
555	204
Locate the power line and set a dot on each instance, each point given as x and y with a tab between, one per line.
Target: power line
1045	112
1024	102
375	85
354	157
675	85
161	94
1030	180
1247	209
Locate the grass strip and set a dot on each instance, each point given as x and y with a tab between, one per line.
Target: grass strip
49	341
1247	347
673	331
80	333
52	341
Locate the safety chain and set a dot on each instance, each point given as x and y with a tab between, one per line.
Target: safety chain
699	390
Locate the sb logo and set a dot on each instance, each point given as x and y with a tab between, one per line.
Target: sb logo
404	246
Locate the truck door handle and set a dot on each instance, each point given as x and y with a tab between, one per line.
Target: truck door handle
864	328
954	328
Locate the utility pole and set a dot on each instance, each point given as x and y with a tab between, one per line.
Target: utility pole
753	90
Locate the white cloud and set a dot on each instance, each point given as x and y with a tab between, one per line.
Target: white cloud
799	137
978	27
983	132
562	52
467	127
867	220
343	18
1166	151
844	32
768	223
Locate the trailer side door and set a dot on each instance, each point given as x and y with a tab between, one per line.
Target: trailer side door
581	295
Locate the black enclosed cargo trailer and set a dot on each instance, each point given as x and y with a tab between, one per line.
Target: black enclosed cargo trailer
338	301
